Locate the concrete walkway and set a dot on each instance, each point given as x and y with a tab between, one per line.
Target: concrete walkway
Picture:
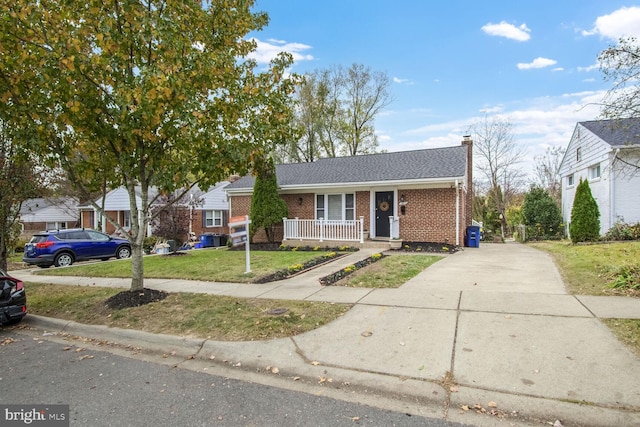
489	326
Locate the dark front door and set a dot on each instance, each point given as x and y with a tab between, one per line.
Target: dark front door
384	209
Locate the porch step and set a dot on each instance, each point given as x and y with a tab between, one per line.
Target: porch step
374	244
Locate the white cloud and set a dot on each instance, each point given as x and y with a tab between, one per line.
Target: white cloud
536	123
589	68
510	31
558	69
402	81
537	63
268	50
492	110
624	22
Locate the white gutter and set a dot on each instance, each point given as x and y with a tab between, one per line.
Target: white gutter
457	214
363	184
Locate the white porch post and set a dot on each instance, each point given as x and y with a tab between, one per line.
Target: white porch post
285	226
361	229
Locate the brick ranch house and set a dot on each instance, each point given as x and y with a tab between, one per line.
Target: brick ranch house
416	196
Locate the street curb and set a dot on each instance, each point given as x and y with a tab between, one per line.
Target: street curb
263	356
159	343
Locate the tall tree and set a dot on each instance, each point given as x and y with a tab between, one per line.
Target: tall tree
336	110
548	172
267	208
142	94
17	184
620	64
497	156
366	95
585	215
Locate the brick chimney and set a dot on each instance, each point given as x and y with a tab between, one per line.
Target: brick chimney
466	140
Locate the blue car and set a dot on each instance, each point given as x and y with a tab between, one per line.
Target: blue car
64	247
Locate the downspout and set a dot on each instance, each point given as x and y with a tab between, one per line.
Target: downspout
457	215
612	189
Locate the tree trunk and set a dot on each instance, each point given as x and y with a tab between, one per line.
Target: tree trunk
137	268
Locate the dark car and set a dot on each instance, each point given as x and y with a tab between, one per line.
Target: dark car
13	299
64	247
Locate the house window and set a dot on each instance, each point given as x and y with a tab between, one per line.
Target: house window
213	218
594	171
56	225
126	219
578	154
335	207
570	180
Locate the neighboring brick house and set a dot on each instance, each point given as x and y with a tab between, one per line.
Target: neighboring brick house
607	154
48	214
419	196
208	216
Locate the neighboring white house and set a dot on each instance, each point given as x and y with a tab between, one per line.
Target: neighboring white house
607	154
210	215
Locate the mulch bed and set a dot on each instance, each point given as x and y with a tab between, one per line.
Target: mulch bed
127	299
431	247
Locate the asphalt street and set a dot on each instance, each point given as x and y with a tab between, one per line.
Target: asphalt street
105	389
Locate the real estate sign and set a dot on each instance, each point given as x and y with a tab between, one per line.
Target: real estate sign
239	234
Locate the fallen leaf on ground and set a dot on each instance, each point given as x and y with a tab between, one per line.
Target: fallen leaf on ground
492	405
366	333
315	363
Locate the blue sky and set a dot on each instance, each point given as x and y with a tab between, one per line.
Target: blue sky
453	62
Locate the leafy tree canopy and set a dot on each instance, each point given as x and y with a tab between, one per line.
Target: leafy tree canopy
142	93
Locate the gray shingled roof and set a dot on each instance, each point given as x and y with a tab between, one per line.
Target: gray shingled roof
450	162
616	132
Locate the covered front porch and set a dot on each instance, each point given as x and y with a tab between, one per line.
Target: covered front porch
313	231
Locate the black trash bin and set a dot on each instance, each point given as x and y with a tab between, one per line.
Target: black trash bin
172	245
216	240
472	238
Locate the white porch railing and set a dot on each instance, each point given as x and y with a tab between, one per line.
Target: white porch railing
321	229
394	227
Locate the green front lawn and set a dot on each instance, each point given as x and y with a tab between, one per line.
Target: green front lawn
217	265
590	269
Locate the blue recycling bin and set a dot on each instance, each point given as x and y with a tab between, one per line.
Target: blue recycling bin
472	238
206	240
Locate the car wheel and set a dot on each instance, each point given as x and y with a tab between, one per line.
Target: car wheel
123	252
64	259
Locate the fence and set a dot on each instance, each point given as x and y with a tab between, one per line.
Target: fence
321	229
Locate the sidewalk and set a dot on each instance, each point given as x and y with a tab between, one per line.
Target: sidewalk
487	325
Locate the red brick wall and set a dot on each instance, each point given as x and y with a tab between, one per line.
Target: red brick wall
363	207
430	215
199	229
